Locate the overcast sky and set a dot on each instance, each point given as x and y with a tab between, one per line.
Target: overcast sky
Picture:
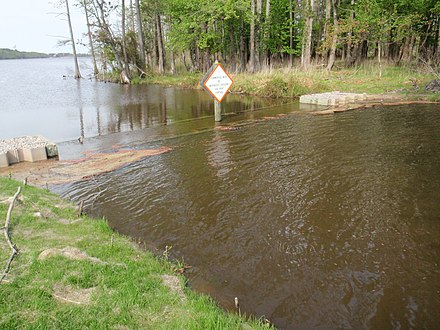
33	25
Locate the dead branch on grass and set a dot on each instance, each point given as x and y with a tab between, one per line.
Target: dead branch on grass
14	250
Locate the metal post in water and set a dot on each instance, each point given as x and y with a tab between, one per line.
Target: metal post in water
217	110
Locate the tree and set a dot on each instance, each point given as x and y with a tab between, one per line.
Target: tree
306	54
72	39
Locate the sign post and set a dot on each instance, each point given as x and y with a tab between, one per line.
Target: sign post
217	83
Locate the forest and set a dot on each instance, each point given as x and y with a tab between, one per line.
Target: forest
138	37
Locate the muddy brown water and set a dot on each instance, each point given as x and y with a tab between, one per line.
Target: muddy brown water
311	221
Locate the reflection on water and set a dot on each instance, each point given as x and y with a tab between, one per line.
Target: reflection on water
313	222
40	97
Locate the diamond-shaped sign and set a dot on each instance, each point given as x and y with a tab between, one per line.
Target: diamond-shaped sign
217	82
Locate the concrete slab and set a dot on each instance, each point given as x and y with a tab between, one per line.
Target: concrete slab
331	98
34	154
13	156
4	160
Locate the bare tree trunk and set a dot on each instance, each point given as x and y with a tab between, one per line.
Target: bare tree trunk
140	35
89	34
307	41
332	57
72	39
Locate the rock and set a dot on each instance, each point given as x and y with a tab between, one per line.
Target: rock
433	86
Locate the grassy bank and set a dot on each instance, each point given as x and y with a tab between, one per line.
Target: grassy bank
293	83
76	273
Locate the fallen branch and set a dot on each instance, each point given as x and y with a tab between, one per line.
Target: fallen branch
12	246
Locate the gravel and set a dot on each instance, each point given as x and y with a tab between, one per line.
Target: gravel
27	142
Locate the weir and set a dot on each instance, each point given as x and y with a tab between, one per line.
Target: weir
26	149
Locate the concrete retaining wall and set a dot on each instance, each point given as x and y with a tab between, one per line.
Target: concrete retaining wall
26	149
332	98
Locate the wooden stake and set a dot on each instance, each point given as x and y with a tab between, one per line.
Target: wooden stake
80	208
237	305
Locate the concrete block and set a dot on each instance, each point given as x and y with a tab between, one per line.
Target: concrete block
51	150
13	156
20	155
306	99
4	160
323	101
34	154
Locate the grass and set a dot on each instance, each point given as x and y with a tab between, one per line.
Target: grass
294	83
124	289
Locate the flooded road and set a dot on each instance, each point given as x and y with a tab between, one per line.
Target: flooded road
311	221
40	97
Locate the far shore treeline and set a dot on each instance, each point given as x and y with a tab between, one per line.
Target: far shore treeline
11	54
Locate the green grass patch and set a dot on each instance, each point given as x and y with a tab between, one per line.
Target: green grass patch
294	83
117	285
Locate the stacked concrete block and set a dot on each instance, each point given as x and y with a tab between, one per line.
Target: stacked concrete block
26	149
13	156
332	98
34	154
4	160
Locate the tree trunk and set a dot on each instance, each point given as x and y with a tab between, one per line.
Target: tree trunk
172	63
328	7
160	48
232	47
379	58
72	39
124	47
258	35
266	59
307	40
89	34
290	34
348	55
332	57
252	39
140	35
243	48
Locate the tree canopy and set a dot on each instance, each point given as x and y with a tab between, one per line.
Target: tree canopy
253	35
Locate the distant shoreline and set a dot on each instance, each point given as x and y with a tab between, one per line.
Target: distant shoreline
13	54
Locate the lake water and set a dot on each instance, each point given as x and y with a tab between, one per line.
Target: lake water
311	221
40	97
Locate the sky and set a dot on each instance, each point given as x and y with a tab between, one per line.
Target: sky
35	25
